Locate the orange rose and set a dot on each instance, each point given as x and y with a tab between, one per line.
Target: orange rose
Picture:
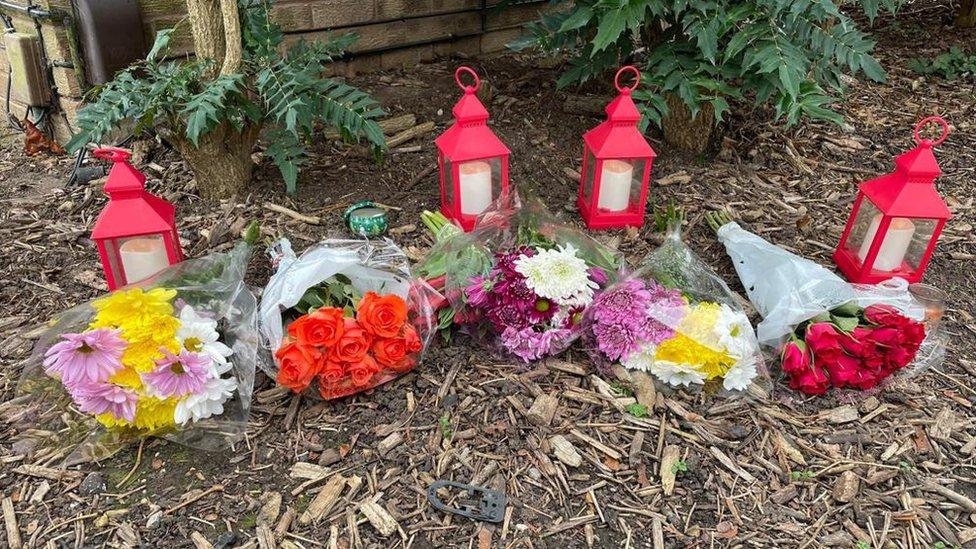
320	328
389	351
382	315
353	344
363	370
297	365
404	365
411	339
332	372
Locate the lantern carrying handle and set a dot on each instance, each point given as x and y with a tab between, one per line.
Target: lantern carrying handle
621	72
926	121
115	154
467	70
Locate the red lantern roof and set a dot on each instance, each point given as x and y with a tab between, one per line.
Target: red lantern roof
910	190
131	210
469	138
618	136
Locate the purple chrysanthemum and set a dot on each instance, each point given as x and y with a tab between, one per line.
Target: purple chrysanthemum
105	398
529	344
624	303
179	375
598	275
478	291
90	356
617	340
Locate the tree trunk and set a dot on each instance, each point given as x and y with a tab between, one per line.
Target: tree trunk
690	134
967	14
221	162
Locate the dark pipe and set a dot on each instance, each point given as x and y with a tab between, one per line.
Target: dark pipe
32	11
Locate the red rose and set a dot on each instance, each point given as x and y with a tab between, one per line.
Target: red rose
811	381
382	316
824	340
404	365
389	351
794	357
353	344
412	339
884	315
363	370
843	372
320	328
887	337
332	372
297	365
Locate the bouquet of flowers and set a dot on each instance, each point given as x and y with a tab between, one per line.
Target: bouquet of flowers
346	316
674	318
828	332
520	280
172	356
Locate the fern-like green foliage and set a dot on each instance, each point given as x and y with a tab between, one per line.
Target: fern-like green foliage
786	53
954	64
286	94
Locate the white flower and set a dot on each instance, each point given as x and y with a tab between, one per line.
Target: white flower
642	359
559	275
676	374
199	335
209	401
732	328
741	374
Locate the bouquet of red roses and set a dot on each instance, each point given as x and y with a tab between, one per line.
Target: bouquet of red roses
850	346
344	317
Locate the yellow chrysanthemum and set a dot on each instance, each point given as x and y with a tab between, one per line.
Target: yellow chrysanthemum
685	350
146	322
151	414
127	377
133	306
699	323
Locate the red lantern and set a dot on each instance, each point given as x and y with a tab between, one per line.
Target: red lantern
616	165
473	161
896	219
136	232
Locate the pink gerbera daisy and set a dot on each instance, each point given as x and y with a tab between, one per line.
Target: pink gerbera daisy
105	398
90	356
179	375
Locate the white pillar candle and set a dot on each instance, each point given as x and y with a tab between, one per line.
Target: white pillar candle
142	258
893	247
615	185
475	187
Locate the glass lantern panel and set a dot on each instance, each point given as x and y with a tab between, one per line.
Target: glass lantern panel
142	256
480	183
921	235
448	183
589	172
865	226
114	264
620	184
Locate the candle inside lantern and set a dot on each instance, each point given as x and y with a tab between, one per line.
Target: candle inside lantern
615	184
142	258
895	244
475	187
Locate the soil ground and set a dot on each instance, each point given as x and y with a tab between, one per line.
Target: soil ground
894	468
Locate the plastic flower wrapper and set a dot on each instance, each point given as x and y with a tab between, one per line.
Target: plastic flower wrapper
520	280
344	317
172	356
825	331
674	318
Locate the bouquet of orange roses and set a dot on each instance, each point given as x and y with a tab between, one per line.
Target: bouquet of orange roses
344	317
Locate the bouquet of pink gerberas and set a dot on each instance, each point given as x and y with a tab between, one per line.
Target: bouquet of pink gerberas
520	280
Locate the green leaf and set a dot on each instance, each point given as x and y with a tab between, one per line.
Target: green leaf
845	324
160	44
789	80
579	18
612	24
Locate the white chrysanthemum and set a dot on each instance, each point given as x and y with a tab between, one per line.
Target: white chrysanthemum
199	335
732	328
642	359
741	375
675	374
559	275
206	403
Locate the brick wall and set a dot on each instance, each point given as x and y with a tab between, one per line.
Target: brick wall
392	33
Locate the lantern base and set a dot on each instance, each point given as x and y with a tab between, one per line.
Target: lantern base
597	219
853	270
466	222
